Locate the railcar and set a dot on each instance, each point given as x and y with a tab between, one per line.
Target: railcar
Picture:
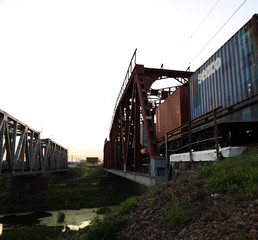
224	91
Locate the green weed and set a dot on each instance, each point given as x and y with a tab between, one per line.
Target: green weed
151	203
105	230
96	220
179	212
233	175
128	204
239	236
104	210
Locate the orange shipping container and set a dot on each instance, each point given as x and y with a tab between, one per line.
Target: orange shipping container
173	112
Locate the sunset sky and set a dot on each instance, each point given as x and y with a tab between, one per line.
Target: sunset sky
62	62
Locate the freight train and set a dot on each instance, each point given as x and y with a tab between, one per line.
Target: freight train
217	105
222	92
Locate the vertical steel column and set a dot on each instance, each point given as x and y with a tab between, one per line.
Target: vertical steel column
190	142
216	132
166	149
8	147
122	132
130	125
2	148
137	154
146	113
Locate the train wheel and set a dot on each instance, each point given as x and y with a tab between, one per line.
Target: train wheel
224	137
203	143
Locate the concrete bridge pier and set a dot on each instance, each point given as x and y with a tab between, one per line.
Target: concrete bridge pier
159	170
25	182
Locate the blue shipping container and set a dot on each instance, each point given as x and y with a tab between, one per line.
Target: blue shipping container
230	75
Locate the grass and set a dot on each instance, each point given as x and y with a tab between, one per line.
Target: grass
233	175
179	213
236	176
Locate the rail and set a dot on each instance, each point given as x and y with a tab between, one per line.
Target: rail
126	79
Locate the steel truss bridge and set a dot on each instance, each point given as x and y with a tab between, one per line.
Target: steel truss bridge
132	150
22	152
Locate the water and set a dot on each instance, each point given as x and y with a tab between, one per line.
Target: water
74	219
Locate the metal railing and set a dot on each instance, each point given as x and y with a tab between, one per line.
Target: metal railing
191	127
126	80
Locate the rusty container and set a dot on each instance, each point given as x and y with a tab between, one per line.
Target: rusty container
173	112
230	75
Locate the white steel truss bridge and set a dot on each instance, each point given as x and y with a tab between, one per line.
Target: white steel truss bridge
22	152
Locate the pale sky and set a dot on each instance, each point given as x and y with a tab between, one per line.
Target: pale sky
62	62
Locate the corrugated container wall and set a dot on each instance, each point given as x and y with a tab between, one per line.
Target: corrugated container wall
230	75
173	112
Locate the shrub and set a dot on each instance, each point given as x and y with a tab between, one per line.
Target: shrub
128	204
179	212
105	230
32	233
60	217
104	210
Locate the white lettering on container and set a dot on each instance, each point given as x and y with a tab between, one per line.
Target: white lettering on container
208	71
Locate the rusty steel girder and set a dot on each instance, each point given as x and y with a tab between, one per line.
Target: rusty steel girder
133	112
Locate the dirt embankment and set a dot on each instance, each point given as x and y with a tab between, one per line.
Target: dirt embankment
185	209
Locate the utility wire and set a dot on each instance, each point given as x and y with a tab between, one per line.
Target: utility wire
218	31
197	27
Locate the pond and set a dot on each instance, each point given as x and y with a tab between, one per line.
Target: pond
74	219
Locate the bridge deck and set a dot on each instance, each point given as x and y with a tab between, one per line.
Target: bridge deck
144	179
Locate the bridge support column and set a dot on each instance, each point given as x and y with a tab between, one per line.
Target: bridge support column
159	170
29	183
6	182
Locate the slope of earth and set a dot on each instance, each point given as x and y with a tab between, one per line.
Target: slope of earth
216	202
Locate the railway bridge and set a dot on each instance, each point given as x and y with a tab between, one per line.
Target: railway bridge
132	149
143	112
23	153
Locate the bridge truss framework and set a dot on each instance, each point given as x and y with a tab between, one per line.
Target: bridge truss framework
133	119
22	151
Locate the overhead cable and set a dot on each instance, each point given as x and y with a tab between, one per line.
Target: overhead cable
218	31
197	27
